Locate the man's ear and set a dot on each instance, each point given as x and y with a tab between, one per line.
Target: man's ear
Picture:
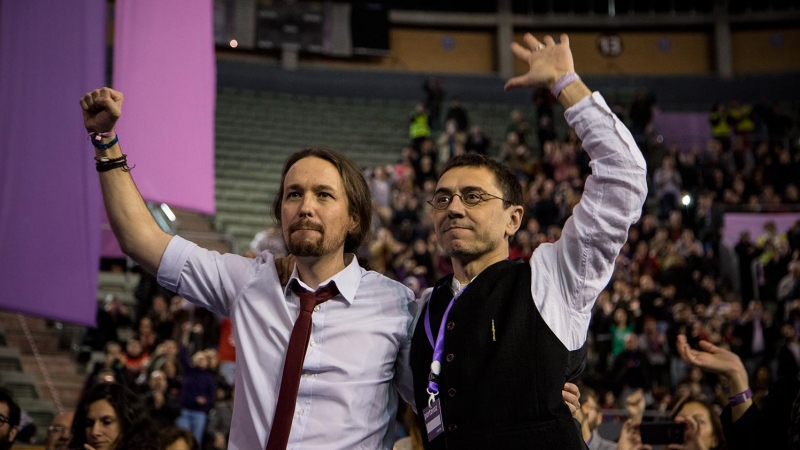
12	434
514	220
354	223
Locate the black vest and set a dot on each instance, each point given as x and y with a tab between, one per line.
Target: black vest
503	368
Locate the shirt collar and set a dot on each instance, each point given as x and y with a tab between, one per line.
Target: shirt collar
456	285
347	280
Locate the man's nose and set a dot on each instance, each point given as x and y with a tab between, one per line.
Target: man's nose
456	208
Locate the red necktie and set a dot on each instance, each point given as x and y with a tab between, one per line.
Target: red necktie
293	365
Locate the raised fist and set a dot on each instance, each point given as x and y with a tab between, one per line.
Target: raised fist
101	110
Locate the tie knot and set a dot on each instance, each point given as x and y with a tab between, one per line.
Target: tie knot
309	299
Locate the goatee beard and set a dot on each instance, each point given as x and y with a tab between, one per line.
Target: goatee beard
305	248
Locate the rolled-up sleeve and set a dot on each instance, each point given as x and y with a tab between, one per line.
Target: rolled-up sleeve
206	278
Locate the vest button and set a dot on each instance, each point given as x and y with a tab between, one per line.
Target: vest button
452	427
451	392
450	357
451	325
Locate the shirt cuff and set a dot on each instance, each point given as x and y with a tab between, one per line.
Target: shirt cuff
573	112
172	262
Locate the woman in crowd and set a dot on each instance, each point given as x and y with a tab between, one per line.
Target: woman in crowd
112	417
174	438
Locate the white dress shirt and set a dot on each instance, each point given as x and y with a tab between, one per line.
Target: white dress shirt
346	398
569	274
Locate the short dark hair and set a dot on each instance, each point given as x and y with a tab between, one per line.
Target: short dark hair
586	394
136	427
169	435
13	407
506	180
359	202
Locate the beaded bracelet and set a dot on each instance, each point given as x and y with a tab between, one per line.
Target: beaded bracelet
100	146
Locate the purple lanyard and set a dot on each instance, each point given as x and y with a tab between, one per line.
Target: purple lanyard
438	347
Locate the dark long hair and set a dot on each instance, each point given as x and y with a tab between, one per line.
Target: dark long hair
359	202
136	428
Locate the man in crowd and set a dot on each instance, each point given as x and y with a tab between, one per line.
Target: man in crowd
590	417
9	419
164	407
498	338
59	433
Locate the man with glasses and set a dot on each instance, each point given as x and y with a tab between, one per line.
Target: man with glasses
9	419
59	432
497	339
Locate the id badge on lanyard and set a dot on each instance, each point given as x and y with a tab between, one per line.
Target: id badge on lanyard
433	413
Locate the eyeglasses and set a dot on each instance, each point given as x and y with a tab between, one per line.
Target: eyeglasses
56	429
442	200
4	419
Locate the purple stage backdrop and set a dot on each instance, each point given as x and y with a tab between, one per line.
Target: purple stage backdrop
684	129
164	66
735	223
51	53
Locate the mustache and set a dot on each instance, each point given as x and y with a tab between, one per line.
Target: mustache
451	225
305	225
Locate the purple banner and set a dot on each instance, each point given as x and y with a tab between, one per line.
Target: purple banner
686	130
51	53
736	223
164	66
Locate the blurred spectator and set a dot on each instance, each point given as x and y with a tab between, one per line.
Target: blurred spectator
741	122
516	156
720	124
520	127
197	392
111	315
9	419
270	239
590	417
174	438
146	335
162	406
654	344
621	326
161	318
419	127
458	114
641	113
631	369
227	351
110	370
59	432
219	421
668	183
451	142
434	96
135	355
477	142
756	335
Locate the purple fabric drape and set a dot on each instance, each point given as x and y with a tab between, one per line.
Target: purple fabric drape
736	223
51	53
164	66
684	129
